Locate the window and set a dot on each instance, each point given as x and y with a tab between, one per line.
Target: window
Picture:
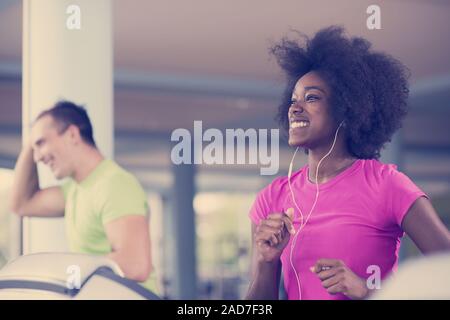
223	244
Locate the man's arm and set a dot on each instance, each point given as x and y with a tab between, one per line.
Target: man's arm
129	237
425	228
27	199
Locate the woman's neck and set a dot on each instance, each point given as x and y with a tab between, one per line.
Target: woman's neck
337	161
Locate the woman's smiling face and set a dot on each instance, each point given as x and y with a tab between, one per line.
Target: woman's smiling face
310	120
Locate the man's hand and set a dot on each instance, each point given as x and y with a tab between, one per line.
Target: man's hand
26	198
336	277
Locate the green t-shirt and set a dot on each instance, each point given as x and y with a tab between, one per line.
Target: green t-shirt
108	193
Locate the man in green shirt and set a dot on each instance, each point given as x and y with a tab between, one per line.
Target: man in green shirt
104	206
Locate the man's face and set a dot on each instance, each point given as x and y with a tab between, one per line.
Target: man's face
52	146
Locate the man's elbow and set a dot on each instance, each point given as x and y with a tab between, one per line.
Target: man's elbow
139	272
16	209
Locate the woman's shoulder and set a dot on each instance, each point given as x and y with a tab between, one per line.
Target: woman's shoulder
279	183
378	166
378	169
271	197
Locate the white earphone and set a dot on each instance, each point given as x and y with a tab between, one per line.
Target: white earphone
302	221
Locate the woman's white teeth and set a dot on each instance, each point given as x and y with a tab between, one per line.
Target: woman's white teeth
299	124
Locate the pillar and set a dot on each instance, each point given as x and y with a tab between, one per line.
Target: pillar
65	60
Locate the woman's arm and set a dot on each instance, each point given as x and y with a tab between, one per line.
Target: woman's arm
270	238
425	228
264	277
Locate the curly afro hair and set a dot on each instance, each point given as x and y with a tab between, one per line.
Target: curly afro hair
369	89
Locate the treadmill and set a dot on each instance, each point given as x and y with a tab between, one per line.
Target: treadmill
68	276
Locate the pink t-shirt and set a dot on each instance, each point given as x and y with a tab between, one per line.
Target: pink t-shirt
357	219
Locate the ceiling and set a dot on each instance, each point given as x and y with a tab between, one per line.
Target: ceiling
230	38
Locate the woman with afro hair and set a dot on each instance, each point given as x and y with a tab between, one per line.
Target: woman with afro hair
334	226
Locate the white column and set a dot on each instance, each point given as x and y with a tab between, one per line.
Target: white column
62	63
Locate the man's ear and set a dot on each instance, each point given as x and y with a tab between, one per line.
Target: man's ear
74	134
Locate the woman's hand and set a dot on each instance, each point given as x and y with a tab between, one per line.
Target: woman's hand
336	277
272	235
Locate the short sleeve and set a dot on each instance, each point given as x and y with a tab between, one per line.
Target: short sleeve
402	193
122	196
66	187
261	207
